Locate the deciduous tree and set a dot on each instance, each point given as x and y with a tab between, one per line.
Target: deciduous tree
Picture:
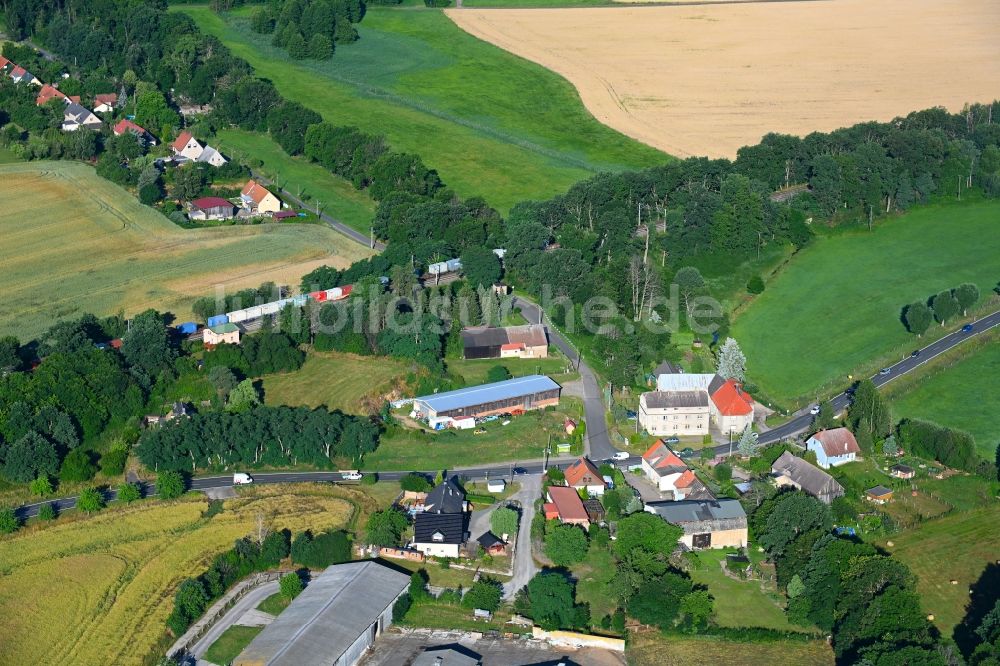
918	318
566	544
945	306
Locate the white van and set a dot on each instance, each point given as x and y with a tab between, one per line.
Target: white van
242	479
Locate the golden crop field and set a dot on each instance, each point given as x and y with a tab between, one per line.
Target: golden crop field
99	590
708	79
75	243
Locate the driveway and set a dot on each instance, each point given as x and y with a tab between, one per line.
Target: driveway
524	564
245	605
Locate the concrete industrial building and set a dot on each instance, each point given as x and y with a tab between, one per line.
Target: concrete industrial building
522	393
333	621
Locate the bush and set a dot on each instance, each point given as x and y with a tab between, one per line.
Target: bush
401	608
290	585
90	500
485	594
113	462
78	465
128	493
566	545
414	482
369	479
723	472
9	522
42	486
169	485
755	285
321	551
497	373
47	512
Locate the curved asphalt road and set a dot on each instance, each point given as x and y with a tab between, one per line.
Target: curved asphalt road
597	433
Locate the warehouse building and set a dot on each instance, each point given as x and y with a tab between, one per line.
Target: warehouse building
333	621
520	394
528	341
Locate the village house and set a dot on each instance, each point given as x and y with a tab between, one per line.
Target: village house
221	334
211	157
441	529
258	200
125	125
584	475
186	146
674	413
49	92
718	523
492	544
21	75
564	504
671	475
790	471
105	102
902	471
689	404
833	447
528	341
76	117
211	208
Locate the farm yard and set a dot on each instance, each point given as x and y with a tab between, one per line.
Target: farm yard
114	575
849	289
708	79
491	124
77	243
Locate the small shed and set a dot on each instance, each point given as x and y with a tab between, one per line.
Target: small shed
879	494
902	471
595	510
570	426
492	544
496	485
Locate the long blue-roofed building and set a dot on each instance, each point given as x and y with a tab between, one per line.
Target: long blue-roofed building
520	394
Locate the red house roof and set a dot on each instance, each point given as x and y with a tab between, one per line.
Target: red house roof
512	346
211	202
255	191
583	473
181	141
731	400
3	61
47	93
837	442
660	457
105	98
126	125
686	479
568	504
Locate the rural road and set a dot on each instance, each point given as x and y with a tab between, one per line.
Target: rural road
244	604
524	563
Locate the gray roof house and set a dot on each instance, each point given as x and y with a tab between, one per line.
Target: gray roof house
675	399
76	116
447	497
719	523
788	470
441	528
333	621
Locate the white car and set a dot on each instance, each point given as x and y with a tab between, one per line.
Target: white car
620	455
814	410
351	476
242	479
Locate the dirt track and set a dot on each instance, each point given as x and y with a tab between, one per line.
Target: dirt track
705	80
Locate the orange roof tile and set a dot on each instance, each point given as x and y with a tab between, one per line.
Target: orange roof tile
685	480
660	456
731	400
255	191
181	141
578	470
568	503
48	92
105	98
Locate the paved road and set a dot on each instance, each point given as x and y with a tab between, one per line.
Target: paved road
524	563
598	443
337	225
248	602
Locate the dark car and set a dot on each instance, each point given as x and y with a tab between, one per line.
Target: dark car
967	328
916	353
520	470
686	453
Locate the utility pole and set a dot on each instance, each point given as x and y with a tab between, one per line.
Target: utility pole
371	237
730	441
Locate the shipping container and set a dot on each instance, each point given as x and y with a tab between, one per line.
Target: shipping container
270	308
187	327
454	265
300	300
346	291
218	320
438	268
318	296
237	316
254	313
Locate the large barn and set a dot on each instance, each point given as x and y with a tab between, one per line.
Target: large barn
521	393
528	341
333	621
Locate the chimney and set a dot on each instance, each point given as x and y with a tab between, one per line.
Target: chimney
438	661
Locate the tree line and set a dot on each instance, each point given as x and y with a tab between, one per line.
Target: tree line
942	307
309	28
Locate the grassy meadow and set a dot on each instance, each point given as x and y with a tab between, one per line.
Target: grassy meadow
75	243
339	381
489	122
309	181
962	395
229	645
654	649
835	307
930	549
115	574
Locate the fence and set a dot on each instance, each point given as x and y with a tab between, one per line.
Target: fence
184	644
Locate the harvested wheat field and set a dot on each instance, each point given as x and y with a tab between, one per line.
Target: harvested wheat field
75	243
114	575
708	79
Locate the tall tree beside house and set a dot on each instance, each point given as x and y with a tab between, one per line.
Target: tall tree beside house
748	444
945	306
918	318
732	364
869	411
966	294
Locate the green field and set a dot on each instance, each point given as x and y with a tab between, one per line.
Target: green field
229	645
308	181
474	371
835	308
654	649
489	122
930	551
733	597
962	396
339	381
75	243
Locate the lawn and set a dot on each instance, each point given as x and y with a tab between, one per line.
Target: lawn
489	122
115	574
6	156
592	578
306	180
274	604
80	244
835	309
652	649
734	597
354	384
523	439
229	645
930	551
962	396
474	371
433	615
